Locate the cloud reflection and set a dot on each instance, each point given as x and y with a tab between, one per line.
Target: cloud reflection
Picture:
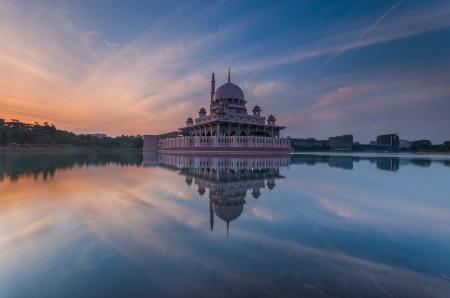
151	225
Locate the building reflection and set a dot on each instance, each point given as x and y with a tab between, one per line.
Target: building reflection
388	163
228	180
346	162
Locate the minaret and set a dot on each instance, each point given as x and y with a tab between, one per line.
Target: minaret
211	214
213	87
229	75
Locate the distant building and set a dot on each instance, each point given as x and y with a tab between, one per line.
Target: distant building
404	144
341	143
388	142
309	144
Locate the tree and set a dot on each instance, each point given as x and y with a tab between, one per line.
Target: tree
47	134
421	145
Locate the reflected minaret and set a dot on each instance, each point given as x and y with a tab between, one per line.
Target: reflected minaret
211	215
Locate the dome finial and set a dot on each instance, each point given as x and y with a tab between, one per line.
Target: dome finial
228	74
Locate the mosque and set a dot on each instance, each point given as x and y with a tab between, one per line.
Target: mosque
227	127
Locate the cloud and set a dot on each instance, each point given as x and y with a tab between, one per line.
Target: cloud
406	23
111	44
54	67
370	105
132	88
268	88
262	213
371	28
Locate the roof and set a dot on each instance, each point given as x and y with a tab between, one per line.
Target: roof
229	90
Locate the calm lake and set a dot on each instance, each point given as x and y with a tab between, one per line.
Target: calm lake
310	225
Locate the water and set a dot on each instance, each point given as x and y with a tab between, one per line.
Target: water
121	225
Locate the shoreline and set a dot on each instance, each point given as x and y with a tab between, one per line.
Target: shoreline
375	152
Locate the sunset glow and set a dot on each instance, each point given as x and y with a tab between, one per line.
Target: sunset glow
116	68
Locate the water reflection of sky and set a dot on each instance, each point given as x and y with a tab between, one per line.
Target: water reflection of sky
114	228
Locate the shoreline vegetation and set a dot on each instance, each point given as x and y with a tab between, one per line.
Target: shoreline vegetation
19	136
418	146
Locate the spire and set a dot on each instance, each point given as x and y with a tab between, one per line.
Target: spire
229	75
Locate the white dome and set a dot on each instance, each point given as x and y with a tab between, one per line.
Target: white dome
229	90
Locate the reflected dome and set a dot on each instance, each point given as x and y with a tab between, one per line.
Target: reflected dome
228	212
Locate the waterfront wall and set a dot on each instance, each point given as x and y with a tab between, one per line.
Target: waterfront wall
150	143
223	143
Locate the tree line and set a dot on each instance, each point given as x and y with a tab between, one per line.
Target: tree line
427	146
15	133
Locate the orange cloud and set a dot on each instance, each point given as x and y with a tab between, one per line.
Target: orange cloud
61	73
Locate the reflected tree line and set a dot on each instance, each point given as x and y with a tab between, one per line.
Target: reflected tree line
14	166
15	133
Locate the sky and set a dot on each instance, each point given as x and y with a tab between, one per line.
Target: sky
323	68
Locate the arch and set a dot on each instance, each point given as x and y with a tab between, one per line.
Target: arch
259	134
233	133
243	134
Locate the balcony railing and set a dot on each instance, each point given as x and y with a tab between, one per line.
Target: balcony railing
241	118
224	142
